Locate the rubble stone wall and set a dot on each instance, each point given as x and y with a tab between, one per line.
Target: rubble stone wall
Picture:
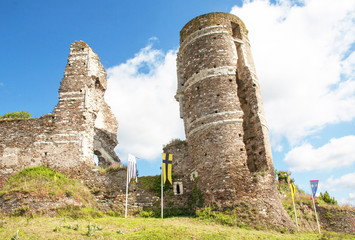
80	126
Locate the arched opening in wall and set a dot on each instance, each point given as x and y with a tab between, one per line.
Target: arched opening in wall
99	159
96	160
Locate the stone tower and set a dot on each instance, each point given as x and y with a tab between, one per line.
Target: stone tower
220	102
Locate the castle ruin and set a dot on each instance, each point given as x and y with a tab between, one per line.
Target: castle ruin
81	125
228	151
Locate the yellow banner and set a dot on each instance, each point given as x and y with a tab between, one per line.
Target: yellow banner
167	167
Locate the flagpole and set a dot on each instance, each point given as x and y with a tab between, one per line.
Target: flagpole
294	208
162	198
125	215
314	205
292	188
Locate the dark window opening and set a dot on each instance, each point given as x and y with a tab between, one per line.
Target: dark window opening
178	188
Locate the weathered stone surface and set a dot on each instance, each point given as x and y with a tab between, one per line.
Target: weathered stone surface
220	102
81	124
336	219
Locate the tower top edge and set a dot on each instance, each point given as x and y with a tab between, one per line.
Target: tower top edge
209	19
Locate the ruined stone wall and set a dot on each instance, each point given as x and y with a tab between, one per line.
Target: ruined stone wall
81	124
220	103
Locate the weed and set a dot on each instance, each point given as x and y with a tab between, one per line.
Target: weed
15	237
146	214
69	192
57	229
92	229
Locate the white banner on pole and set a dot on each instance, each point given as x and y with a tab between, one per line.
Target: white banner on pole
131	173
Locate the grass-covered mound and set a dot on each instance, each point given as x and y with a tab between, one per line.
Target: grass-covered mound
41	190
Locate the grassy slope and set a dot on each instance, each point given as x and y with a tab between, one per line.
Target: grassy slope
43	183
131	228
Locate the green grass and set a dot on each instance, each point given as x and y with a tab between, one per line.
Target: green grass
44	184
135	228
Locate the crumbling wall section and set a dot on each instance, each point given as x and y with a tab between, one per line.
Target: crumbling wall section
81	124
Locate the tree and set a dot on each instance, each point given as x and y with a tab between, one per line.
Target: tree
328	199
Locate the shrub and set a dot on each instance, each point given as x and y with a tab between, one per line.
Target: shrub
21	114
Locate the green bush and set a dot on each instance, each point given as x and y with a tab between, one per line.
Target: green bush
21	114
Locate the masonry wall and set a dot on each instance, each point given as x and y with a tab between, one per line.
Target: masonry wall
80	126
220	103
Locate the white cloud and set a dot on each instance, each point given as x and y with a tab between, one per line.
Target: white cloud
301	53
141	95
1	84
335	154
344	182
351	199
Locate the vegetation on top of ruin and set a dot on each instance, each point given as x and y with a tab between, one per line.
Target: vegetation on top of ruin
16	115
27	188
175	142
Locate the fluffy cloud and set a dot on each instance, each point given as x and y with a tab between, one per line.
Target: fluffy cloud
345	182
337	153
302	58
141	94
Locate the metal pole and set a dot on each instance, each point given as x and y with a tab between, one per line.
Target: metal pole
125	215
314	204
294	208
293	201
162	197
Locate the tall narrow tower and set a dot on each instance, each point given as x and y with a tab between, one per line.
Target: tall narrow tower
220	103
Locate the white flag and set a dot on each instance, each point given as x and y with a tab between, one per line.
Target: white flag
131	168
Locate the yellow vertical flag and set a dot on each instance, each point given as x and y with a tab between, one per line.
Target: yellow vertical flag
293	188
167	166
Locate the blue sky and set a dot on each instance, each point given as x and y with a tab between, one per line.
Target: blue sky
303	52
